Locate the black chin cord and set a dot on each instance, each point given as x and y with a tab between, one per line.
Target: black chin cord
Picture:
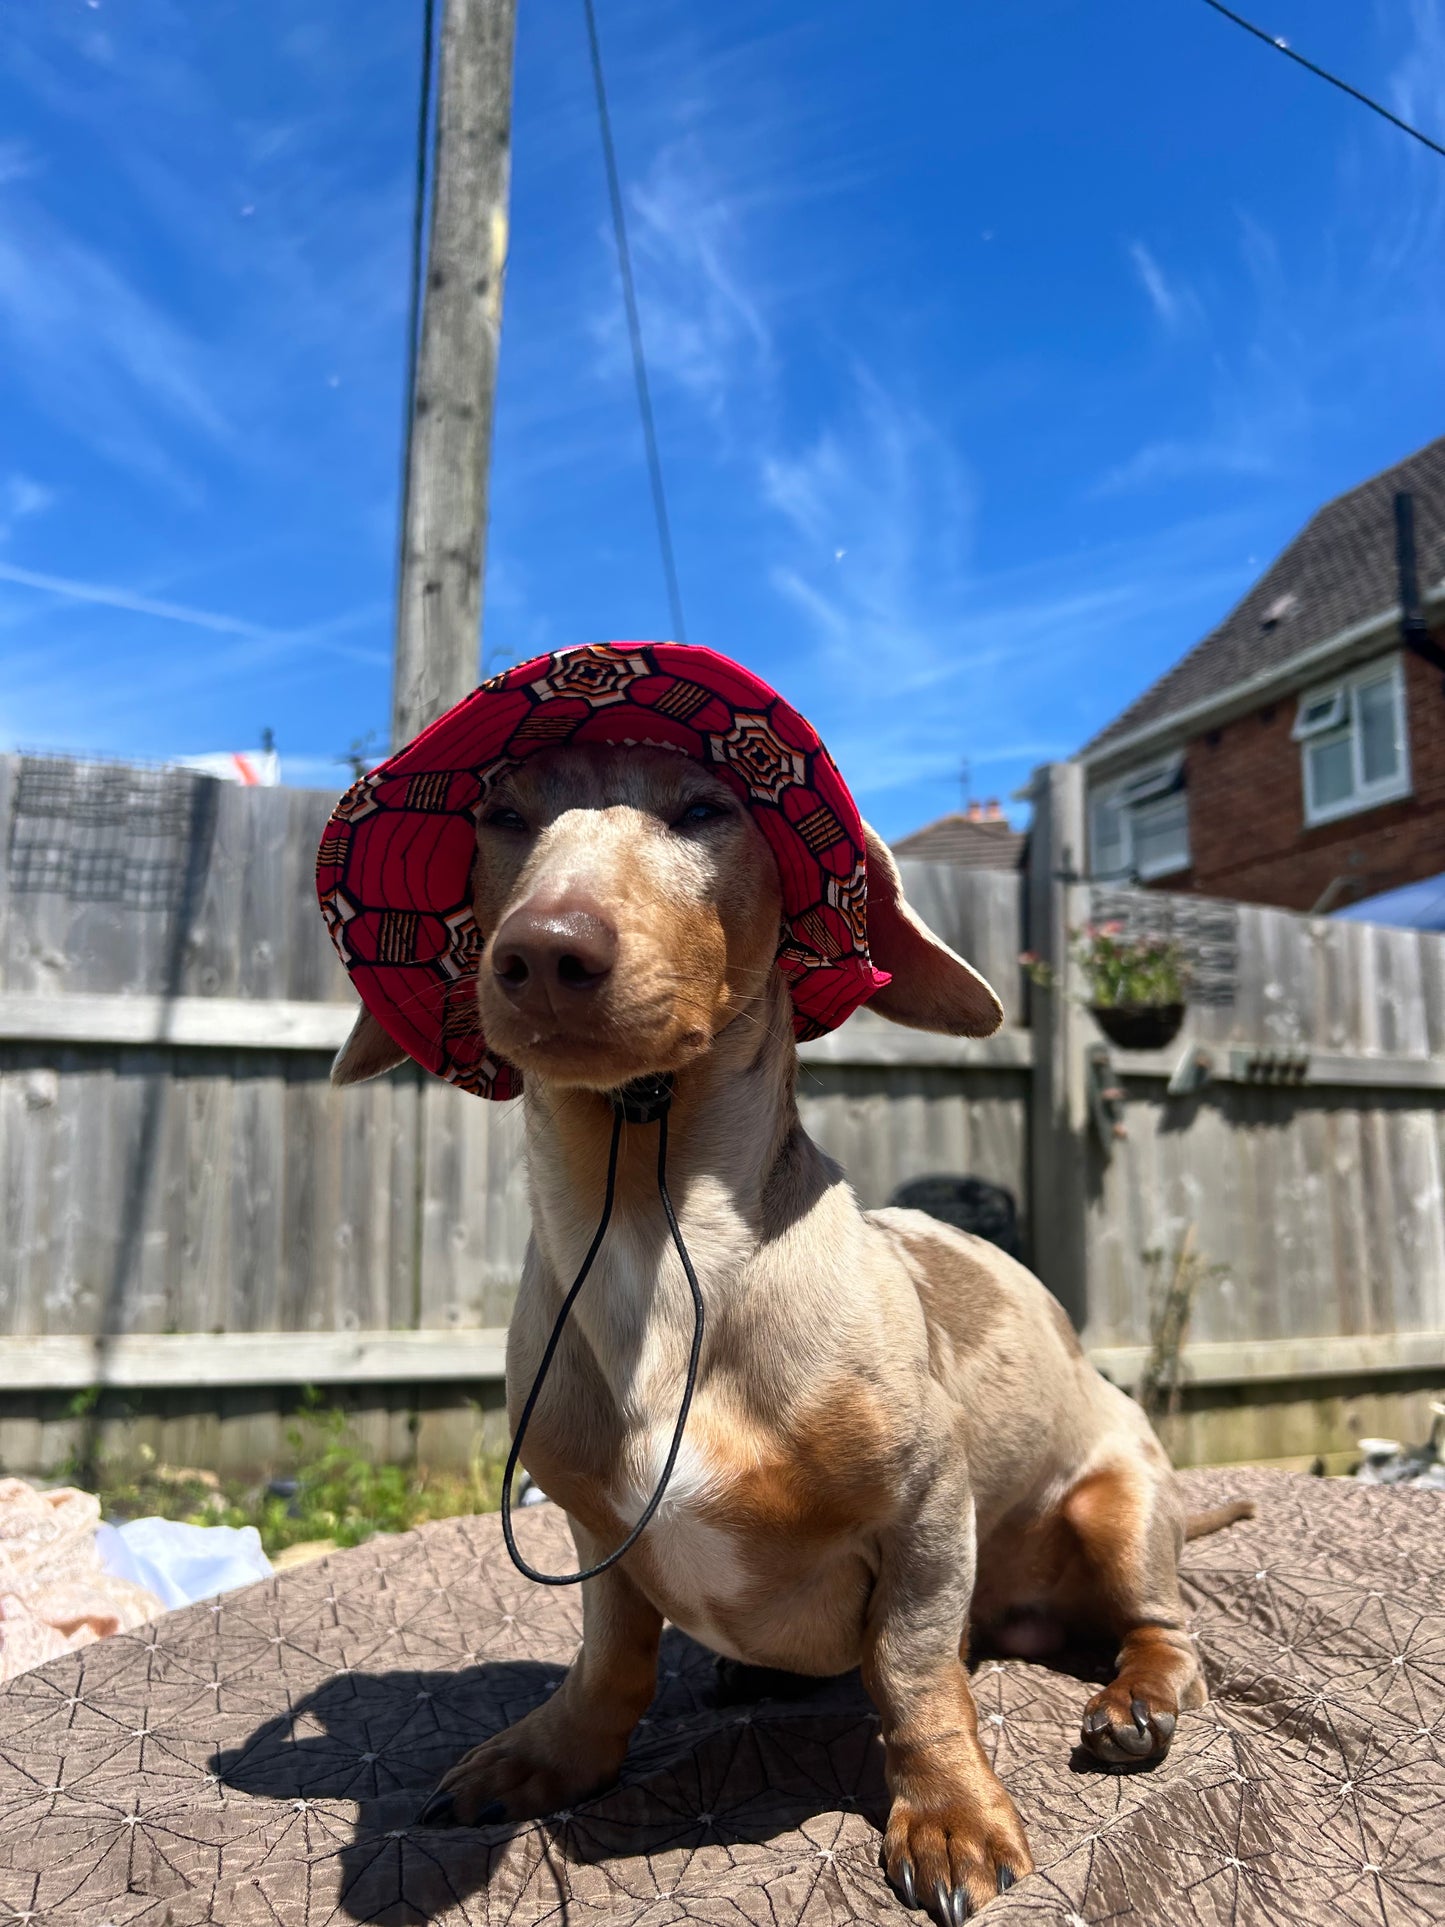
646	1100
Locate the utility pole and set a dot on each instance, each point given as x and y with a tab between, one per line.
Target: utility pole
444	499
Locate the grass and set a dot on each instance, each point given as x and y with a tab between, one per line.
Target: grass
330	1490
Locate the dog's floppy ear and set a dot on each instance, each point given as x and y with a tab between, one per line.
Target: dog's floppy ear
367	1052
932	988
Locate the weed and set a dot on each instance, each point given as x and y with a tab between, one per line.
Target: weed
1172	1301
329	1489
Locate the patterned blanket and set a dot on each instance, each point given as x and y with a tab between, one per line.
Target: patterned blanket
261	1759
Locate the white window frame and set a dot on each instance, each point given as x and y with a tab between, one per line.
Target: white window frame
1344	715
1138	793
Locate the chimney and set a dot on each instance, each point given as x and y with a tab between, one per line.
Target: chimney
975	812
991	811
1412	621
1414	630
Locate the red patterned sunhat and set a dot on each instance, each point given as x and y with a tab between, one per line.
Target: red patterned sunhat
394	870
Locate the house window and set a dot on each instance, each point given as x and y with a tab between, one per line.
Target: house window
1352	740
1140	827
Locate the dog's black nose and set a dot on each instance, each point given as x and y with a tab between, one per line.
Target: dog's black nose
543	954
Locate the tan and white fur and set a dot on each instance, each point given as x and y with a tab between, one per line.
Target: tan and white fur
896	1440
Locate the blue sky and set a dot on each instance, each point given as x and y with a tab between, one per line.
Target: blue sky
994	350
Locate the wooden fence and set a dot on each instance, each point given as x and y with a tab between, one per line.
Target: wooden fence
1291	1141
193	1222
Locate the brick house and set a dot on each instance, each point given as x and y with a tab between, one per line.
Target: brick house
1296	756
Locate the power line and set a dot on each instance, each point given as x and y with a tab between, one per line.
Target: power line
634	329
1283	47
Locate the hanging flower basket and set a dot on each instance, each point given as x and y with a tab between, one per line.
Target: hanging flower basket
1135	986
1139	1026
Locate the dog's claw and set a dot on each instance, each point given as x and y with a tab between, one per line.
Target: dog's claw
945	1859
1137	1740
439	1811
1127	1739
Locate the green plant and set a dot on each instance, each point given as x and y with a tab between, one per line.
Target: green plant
1119	968
329	1489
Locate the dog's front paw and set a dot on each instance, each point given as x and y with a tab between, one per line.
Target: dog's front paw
1125	1727
952	1857
539	1766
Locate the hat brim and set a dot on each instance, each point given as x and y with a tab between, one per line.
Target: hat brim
394	869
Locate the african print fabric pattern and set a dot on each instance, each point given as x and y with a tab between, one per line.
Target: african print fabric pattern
394	870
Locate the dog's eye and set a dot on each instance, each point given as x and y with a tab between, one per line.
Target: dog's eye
502	818
699	813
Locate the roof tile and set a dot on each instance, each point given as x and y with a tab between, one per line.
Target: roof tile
963	840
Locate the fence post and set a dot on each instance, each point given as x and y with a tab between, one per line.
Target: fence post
1058	1119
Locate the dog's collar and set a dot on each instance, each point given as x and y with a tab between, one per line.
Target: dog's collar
644	1099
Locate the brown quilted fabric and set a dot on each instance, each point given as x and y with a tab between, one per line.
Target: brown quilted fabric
260	1760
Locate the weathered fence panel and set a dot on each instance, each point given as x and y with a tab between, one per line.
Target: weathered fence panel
1320	1203
186	1201
1307	1176
888	1125
193	1219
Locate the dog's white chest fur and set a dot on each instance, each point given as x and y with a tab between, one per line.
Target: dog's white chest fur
697	1563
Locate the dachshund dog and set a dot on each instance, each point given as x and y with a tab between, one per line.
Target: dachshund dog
896	1442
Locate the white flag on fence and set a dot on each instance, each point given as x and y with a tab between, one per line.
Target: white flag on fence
256	768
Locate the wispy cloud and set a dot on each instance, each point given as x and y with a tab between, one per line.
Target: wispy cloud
309	256
18	162
1173	300
1019	647
325	635
108	596
1417	85
1286	341
202	285
99	355
878	512
1398	186
921	655
1176	461
702	327
1166	302
925	653
21	496
1249	377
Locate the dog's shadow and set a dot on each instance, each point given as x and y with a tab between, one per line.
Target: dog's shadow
726	1757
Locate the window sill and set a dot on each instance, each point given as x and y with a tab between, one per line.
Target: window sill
1358	806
